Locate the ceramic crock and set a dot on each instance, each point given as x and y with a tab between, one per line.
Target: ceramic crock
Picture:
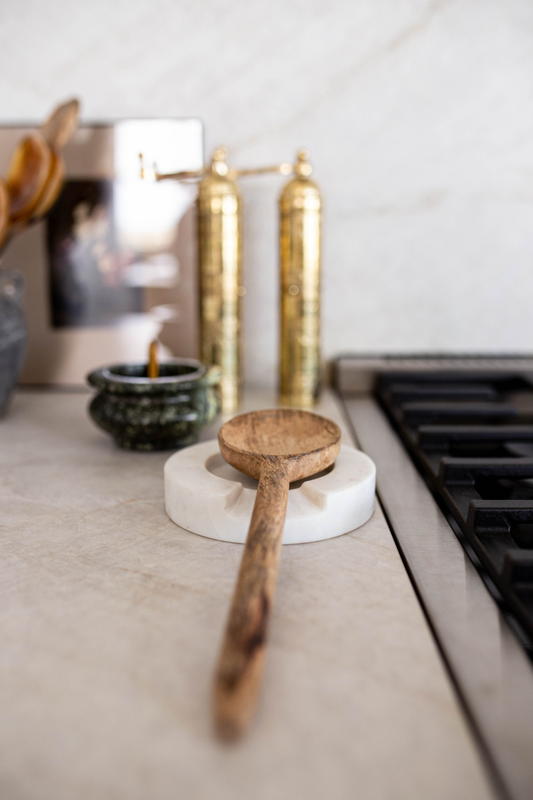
13	332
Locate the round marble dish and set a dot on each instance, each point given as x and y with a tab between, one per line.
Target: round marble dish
204	495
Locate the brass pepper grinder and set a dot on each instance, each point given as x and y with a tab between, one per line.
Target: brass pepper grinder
300	361
220	267
220	277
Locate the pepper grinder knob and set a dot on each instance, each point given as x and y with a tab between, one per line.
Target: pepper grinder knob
303	168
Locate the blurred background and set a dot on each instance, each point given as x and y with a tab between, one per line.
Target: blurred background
418	115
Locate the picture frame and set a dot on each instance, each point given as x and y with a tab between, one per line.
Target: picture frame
112	266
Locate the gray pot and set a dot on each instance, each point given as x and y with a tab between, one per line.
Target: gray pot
13	332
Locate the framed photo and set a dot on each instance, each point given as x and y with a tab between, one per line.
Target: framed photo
113	264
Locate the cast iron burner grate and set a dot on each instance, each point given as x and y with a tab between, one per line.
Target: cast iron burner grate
472	439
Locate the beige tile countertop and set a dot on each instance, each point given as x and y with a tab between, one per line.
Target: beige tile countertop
111	617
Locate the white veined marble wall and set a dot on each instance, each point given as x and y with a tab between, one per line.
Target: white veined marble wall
418	113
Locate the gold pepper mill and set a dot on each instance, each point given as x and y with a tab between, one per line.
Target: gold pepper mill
220	276
220	267
300	229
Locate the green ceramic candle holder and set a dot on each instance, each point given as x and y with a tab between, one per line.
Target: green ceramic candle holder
163	413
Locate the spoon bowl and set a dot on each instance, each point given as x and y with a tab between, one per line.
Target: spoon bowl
305	442
276	447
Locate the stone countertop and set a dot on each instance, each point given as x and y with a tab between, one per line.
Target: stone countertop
111	618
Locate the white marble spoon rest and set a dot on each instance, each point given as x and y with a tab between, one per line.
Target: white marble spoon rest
205	495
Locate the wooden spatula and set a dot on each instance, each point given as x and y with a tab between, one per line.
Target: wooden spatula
275	447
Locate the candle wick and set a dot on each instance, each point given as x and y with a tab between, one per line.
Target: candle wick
153	363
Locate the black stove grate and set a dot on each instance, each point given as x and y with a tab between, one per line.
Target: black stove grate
472	439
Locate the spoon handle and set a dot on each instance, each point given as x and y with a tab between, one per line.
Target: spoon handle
240	668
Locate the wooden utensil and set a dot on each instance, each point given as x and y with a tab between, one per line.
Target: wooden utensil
276	447
61	124
4	211
52	188
153	361
27	175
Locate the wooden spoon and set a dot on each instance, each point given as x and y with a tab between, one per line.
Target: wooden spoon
4	211
61	124
275	447
27	175
52	188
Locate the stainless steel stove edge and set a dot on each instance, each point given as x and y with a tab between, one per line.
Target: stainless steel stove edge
358	373
493	674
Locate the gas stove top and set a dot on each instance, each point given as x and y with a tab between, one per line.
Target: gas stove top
472	439
453	443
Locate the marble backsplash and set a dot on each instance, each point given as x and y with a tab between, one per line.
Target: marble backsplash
418	115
